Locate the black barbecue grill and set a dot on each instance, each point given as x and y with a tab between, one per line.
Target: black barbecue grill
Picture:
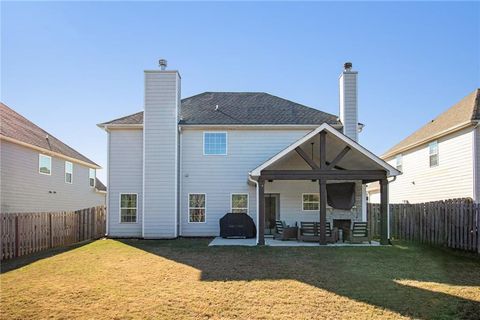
237	225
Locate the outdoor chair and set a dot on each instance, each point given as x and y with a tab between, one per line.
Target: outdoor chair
284	232
310	231
359	232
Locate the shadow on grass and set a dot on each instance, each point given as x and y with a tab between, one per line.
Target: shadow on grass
9	265
365	274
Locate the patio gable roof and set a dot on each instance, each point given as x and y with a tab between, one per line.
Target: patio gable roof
354	157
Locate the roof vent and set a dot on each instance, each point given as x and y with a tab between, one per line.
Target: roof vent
348	66
163	64
216	107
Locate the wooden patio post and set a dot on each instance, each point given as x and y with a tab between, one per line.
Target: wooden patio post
261	211
384	211
323	210
323	188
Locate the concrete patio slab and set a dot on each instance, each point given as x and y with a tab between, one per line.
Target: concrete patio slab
218	241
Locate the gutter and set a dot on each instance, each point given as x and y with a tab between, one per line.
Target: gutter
50	152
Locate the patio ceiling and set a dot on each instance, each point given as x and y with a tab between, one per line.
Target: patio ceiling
356	158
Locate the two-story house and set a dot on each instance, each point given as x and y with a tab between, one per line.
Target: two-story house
440	160
40	173
177	167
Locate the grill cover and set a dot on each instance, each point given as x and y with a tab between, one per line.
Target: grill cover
237	225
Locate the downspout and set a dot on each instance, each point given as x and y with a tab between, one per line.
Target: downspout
256	201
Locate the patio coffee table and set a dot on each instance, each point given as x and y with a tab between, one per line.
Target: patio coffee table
290	232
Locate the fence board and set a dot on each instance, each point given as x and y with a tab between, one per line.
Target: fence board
25	233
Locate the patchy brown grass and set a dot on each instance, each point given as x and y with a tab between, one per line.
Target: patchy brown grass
185	279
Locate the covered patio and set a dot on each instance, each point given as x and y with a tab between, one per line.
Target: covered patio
325	156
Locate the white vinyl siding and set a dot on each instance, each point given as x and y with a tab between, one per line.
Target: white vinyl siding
44	164
452	178
162	91
310	202
219	177
25	190
68	172
125	161
239	203
197	207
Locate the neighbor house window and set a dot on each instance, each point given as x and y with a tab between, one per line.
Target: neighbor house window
196	207
399	162
91	176
310	201
215	143
128	207
68	172
239	203
433	151
44	164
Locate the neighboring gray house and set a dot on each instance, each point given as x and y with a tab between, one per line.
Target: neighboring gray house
178	167
40	173
439	161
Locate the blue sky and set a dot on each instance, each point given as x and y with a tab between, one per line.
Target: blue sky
68	66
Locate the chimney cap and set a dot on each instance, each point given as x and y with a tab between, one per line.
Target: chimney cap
348	66
163	64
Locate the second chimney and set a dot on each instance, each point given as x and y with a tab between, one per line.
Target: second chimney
348	101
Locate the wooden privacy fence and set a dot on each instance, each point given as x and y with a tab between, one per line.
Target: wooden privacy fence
25	233
451	223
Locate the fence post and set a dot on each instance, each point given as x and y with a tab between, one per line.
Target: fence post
50	230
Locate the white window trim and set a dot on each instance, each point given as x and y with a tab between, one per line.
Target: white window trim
397	164
226	143
71	182
120	208
314	210
44	155
433	154
240	194
188	206
94	178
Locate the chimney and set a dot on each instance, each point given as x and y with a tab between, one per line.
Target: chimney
160	143
348	101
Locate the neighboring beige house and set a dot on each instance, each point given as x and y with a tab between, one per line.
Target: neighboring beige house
440	160
40	173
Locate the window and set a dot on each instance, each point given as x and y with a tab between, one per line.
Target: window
311	201
239	203
399	162
128	207
215	143
433	151
91	176
196	207
44	164
68	172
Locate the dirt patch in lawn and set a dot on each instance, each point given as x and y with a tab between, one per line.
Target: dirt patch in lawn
185	279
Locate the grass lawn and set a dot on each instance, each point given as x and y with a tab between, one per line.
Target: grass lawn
184	278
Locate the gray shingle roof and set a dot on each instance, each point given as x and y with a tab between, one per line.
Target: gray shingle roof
16	126
467	109
241	108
